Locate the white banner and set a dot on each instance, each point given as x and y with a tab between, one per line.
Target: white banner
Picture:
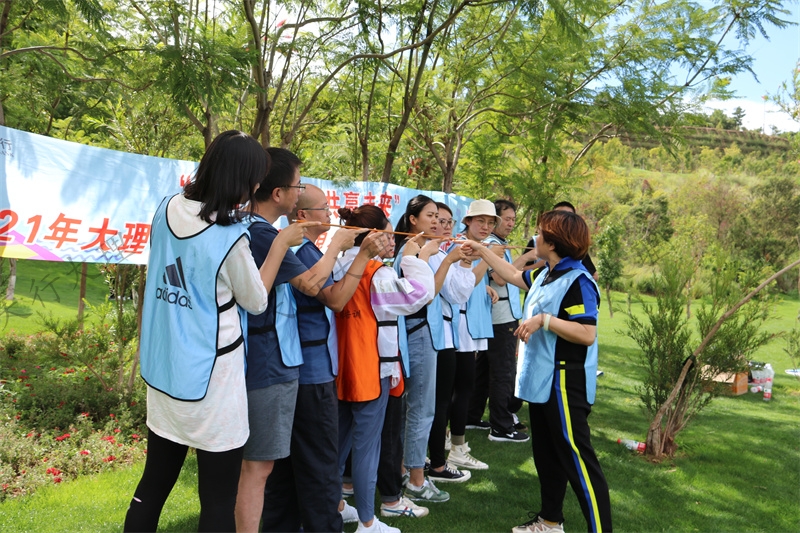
64	201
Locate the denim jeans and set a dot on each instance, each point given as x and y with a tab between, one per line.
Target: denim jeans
421	394
360	425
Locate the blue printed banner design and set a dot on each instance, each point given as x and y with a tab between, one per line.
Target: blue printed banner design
64	201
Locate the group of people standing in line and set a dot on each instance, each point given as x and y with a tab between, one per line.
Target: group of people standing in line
290	369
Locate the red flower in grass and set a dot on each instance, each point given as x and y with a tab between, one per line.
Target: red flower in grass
54	471
108	438
65	436
84	452
57	480
5	487
135	437
109	459
112	415
116	430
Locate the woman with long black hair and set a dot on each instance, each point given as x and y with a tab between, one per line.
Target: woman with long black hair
201	280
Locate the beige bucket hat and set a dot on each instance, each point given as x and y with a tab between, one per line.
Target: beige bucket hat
481	207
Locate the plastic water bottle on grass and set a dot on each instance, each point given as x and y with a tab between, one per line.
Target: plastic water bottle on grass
632	445
769	376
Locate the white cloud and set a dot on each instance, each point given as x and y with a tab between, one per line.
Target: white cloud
758	115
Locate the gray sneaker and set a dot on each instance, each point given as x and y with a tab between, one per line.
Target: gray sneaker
427	493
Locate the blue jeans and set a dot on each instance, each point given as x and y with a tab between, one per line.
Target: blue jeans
420	394
360	425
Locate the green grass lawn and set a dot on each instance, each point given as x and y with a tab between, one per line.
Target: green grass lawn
737	468
45	287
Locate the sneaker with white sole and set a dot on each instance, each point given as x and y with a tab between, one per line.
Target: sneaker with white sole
480	424
376	527
514	436
538	525
426	493
347	491
460	457
349	514
450	475
404	507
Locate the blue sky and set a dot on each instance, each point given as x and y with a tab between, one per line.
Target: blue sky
774	61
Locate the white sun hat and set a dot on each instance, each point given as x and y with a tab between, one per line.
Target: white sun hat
481	208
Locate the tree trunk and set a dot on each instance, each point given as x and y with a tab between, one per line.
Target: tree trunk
82	295
661	440
12	279
608	298
139	307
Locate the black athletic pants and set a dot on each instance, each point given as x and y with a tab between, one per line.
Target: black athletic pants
445	378
562	452
495	373
218	484
305	488
462	391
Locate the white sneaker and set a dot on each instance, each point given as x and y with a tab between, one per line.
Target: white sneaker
460	457
404	507
376	527
538	525
349	514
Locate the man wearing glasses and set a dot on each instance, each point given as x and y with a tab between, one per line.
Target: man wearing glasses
495	369
274	351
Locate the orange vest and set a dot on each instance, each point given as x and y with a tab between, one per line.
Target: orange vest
357	331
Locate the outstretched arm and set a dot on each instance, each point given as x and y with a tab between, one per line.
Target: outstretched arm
503	269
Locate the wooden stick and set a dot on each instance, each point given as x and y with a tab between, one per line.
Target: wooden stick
426	235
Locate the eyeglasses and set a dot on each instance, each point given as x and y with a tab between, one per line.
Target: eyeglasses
446	223
300	186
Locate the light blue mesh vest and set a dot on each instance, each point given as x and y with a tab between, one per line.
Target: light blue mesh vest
180	318
536	366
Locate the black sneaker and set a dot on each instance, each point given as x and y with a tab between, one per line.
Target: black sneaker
449	475
514	436
480	424
518	425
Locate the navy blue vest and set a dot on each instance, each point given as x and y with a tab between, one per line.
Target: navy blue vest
285	323
316	328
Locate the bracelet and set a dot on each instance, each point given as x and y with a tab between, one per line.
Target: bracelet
546	322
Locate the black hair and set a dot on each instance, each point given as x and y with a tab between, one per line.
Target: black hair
413	208
281	173
233	164
365	216
565	204
502	204
442	205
